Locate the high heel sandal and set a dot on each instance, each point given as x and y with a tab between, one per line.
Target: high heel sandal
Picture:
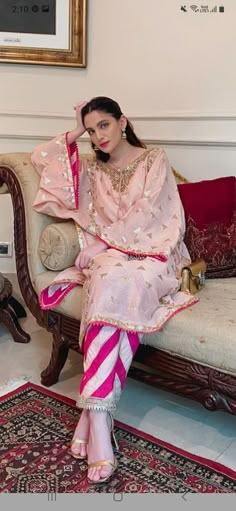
77	441
113	432
113	464
101	463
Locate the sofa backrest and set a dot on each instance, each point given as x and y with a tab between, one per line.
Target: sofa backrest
210	212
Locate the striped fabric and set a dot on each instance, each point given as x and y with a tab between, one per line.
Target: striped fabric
108	353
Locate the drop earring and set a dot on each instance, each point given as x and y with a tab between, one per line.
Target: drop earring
124	134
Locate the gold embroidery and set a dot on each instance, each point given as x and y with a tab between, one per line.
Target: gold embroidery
80	236
134	256
132	327
120	179
93	227
91	403
85	301
66	161
151	157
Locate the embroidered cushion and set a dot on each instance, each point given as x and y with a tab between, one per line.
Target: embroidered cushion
59	246
210	211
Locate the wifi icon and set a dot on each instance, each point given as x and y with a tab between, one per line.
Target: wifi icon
194	8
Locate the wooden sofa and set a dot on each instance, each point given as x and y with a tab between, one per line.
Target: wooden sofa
195	353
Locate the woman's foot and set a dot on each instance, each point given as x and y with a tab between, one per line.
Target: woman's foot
100	447
81	435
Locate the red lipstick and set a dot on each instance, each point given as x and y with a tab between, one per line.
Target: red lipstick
104	144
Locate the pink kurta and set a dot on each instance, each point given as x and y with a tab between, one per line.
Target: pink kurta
137	212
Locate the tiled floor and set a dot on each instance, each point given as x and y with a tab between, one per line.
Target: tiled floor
177	420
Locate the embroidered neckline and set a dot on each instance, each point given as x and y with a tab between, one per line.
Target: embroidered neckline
130	165
120	179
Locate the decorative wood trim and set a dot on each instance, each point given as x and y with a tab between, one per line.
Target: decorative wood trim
8	177
215	389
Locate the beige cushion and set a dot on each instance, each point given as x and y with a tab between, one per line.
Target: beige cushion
59	246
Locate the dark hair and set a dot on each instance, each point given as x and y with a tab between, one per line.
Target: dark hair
111	107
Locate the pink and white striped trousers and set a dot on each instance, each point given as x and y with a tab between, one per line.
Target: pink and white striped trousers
108	353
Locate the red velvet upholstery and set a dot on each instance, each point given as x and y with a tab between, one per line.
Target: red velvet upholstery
210	212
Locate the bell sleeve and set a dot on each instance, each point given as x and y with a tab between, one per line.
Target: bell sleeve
57	163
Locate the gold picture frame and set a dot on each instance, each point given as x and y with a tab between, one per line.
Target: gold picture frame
70	28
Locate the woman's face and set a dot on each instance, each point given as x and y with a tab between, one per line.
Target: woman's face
104	130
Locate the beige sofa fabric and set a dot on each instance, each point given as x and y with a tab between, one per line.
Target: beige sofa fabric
204	333
28	177
71	304
59	246
21	165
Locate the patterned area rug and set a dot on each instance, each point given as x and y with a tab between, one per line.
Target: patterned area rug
36	426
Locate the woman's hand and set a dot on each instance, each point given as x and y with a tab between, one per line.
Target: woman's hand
78	108
79	130
86	255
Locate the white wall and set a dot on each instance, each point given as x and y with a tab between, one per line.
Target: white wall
172	72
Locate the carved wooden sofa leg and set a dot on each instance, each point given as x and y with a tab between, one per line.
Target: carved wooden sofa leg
18	309
9	319
59	354
8	314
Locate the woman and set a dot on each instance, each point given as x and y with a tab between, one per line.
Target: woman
131	226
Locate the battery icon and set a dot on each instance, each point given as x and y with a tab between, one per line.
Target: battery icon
221	8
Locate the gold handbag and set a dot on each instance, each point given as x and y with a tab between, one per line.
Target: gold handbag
193	276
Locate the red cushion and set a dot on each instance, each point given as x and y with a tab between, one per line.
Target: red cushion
210	212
